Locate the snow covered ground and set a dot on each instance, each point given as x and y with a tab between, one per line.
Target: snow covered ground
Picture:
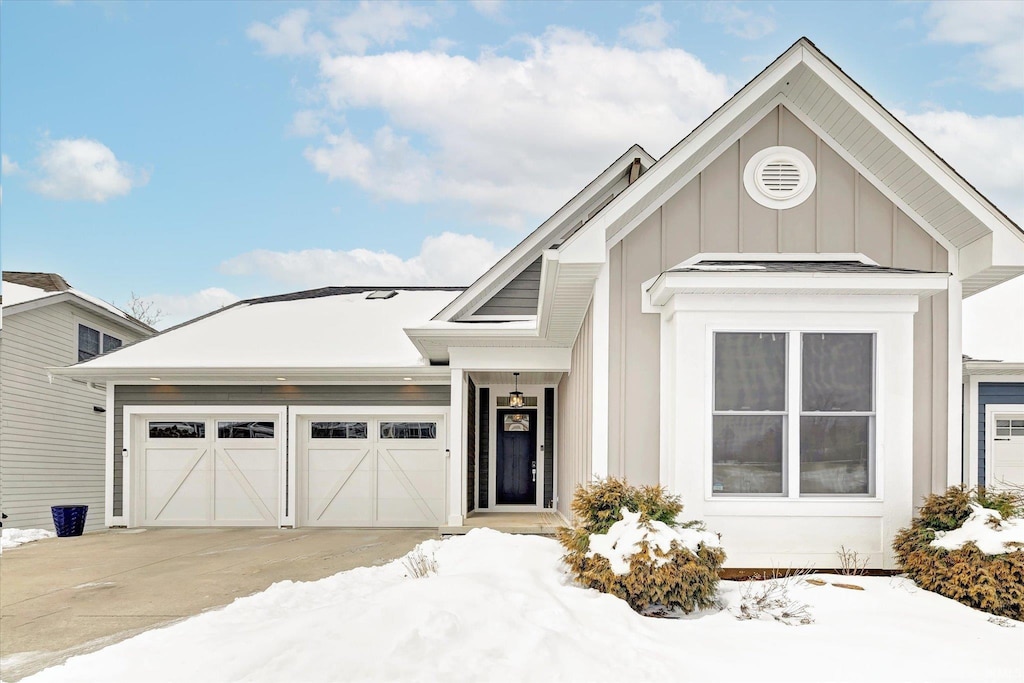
12	538
500	608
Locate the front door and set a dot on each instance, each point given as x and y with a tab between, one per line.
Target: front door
516	476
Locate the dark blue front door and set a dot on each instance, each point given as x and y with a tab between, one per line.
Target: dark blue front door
516	476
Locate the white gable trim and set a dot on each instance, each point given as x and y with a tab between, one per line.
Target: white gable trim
527	251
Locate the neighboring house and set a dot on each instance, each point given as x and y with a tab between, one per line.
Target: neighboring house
766	320
993	446
52	433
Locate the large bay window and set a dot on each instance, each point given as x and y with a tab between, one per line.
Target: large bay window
793	414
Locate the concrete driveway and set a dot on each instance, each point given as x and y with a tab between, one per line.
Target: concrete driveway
66	596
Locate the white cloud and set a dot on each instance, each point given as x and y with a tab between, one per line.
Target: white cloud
996	28
178	308
84	169
308	123
650	30
509	138
735	20
8	167
446	259
987	150
368	25
489	8
994	323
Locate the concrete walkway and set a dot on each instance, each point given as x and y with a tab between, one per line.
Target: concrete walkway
66	596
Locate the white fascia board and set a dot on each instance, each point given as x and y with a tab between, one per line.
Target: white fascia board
72	298
268	375
939	170
525	252
512	359
548	281
669	284
1006	371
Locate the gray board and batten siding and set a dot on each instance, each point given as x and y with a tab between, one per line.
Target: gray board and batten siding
996	393
714	214
518	297
261	395
52	433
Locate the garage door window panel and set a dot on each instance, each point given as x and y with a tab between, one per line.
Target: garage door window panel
408	430
245	430
177	430
338	430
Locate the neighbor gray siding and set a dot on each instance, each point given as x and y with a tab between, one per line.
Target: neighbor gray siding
713	213
1009	393
51	436
574	418
518	297
258	395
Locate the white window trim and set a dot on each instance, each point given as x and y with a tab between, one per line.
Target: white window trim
792	414
777	529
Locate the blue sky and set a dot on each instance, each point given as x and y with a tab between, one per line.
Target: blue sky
197	152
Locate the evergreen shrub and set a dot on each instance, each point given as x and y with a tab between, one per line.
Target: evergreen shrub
993	583
657	582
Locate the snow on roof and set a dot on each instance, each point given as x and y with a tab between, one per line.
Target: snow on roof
342	330
14	293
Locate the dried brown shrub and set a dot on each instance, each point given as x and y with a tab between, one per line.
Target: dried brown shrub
686	581
993	583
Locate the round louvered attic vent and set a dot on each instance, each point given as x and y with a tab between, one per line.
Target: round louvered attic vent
779	177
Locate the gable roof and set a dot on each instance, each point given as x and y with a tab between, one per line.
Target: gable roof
24	291
866	135
308	334
571	217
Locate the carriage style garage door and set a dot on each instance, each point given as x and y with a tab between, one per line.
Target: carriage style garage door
1007	454
371	470
202	470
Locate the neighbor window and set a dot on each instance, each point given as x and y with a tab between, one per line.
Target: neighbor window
93	342
778	408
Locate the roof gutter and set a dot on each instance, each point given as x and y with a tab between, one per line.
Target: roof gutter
425	374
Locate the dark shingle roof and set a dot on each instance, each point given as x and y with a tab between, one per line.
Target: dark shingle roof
792	267
48	282
336	291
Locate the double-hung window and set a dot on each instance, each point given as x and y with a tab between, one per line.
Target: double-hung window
793	414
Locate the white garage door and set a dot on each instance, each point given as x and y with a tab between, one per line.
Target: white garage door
1007	458
206	470
371	471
